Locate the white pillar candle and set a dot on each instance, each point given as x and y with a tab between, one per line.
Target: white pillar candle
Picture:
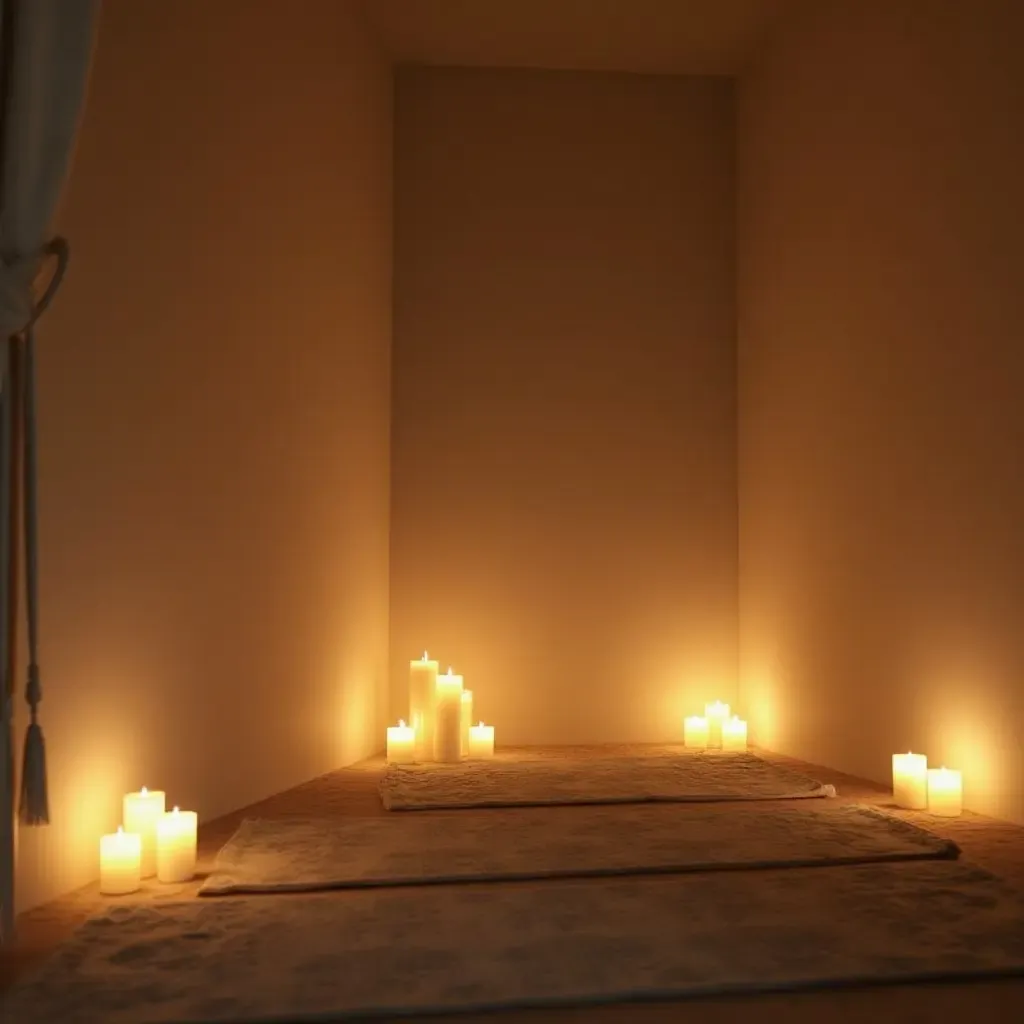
945	792
734	734
910	780
481	741
448	718
176	835
422	686
465	721
695	732
120	863
716	713
140	814
401	743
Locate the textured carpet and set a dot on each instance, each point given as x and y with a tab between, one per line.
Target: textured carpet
684	777
283	855
341	955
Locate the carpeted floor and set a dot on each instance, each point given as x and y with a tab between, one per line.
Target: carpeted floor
352	794
269	855
682	776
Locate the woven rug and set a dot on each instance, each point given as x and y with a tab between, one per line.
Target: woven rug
288	855
342	955
684	777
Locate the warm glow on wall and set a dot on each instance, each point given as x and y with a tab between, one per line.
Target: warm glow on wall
965	733
352	717
761	704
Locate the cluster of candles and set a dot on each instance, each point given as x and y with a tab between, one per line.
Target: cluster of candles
150	841
715	729
440	724
917	787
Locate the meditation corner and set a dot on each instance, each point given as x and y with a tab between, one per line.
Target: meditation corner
511	511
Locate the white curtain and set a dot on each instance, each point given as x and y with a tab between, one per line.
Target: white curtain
46	48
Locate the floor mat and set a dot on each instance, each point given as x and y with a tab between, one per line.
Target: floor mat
683	777
289	855
341	955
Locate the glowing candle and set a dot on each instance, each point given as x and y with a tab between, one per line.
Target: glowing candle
945	792
465	721
716	713
401	743
695	732
734	734
422	684
176	835
120	860
481	741
140	814
448	718
910	780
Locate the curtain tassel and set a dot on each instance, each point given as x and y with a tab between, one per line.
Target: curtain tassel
34	806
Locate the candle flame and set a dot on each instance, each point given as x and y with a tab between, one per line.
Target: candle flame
143	791
480	724
425	658
120	830
175	811
449	670
401	723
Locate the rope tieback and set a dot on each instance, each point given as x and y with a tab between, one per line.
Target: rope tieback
19	274
20	309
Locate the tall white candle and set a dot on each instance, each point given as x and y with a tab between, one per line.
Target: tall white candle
481	741
448	718
140	813
945	792
422	687
695	732
120	860
176	835
734	734
716	713
465	721
401	743
910	780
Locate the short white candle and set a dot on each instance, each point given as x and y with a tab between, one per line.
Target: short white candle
401	743
734	734
140	813
176	835
945	792
448	718
481	741
695	732
422	684
910	780
120	859
716	713
465	721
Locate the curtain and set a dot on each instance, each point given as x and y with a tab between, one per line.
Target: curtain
46	48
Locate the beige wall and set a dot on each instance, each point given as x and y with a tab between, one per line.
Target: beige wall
881	298
214	406
564	501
